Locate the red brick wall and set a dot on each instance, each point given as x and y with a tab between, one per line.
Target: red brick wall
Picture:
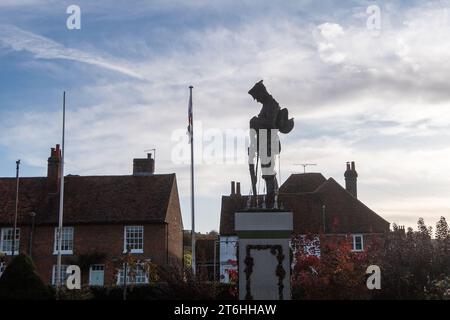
105	239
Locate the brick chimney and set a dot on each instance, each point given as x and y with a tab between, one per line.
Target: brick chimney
54	170
233	188
350	179
144	166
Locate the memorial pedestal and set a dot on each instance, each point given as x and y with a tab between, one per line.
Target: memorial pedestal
264	256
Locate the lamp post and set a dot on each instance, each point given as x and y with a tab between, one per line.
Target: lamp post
33	218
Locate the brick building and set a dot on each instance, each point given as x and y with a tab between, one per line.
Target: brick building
104	216
320	206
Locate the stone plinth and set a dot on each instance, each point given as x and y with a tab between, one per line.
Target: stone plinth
264	266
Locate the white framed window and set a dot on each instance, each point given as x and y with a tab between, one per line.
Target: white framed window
358	242
6	241
2	268
66	241
140	276
55	275
133	239
97	275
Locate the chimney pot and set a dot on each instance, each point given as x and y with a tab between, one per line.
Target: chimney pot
238	188
233	188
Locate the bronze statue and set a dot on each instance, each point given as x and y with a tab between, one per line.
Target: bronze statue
264	141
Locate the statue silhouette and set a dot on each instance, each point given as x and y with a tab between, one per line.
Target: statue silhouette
264	141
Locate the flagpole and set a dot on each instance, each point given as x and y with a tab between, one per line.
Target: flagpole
191	124
13	249
61	200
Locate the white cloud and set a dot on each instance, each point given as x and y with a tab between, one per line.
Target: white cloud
381	101
19	3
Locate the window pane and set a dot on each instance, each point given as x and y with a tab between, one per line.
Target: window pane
137	276
357	243
2	267
97	275
7	240
66	240
56	276
134	238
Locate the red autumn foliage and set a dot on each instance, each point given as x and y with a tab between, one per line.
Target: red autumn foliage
339	273
234	277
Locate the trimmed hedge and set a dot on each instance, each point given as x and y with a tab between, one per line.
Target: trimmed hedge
20	281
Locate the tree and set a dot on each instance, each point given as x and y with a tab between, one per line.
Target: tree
20	281
396	265
134	266
442	230
187	260
411	266
339	273
441	260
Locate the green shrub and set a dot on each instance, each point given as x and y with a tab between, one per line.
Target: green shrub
225	291
84	293
139	292
20	281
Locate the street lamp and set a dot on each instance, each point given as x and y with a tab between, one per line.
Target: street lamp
33	218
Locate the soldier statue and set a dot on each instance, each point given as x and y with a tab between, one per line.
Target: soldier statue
265	143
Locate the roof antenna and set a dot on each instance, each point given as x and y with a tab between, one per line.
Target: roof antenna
154	152
304	165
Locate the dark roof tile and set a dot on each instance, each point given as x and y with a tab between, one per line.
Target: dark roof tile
304	195
304	182
90	199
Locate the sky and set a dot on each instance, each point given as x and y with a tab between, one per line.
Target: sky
378	96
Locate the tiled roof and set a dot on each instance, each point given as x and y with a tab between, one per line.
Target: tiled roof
90	199
299	183
304	195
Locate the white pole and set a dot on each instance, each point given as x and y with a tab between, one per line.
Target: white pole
61	200
13	249
192	181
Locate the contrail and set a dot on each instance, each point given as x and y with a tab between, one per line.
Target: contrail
45	48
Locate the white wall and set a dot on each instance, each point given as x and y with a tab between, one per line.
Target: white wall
227	251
